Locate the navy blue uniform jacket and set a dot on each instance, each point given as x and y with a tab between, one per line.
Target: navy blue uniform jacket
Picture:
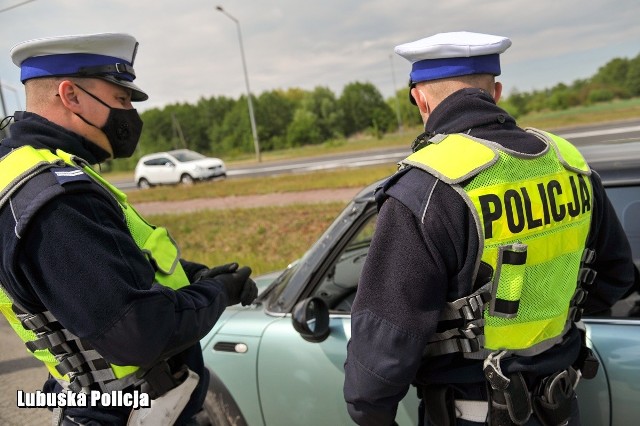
422	255
77	259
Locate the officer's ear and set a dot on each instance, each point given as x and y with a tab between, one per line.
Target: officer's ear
497	91
418	97
68	93
421	102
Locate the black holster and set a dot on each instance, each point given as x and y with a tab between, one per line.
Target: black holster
159	379
554	396
510	405
439	404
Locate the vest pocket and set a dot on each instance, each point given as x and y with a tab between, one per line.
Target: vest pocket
508	280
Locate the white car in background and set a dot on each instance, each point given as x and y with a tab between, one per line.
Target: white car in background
177	166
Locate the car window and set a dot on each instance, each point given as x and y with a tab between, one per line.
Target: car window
338	287
157	162
184	156
626	202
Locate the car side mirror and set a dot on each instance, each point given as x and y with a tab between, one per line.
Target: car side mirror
311	319
169	164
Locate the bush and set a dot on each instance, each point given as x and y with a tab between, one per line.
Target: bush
600	95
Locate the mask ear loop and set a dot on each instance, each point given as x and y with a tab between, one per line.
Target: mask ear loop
92	95
5	121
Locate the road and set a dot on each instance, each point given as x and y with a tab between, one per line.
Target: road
585	135
579	136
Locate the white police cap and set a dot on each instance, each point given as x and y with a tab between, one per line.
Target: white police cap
108	56
453	54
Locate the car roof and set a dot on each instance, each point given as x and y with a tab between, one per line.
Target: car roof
178	151
154	155
617	163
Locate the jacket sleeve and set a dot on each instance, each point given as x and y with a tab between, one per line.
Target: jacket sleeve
191	268
402	289
614	260
86	269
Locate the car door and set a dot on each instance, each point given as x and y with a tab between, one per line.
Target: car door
166	171
155	170
612	397
300	382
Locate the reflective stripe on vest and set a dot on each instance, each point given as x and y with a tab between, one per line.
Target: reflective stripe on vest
533	214
16	168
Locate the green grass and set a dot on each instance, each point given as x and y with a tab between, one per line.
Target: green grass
341	178
591	114
267	239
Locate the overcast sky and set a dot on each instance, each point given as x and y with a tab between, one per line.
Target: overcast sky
189	50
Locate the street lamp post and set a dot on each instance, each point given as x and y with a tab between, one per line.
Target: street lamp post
5	132
395	95
254	131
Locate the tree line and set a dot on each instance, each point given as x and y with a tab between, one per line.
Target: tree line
220	126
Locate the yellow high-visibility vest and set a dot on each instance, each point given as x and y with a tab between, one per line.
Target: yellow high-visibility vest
16	168
533	215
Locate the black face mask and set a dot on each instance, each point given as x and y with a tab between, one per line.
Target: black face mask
123	128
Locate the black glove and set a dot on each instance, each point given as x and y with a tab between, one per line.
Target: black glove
239	287
227	268
191	269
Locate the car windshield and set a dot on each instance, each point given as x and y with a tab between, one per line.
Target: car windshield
185	155
627	207
316	252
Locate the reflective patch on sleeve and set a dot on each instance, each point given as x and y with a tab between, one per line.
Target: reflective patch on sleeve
65	175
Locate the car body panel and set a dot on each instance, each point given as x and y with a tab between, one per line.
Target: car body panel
238	372
594	397
300	382
618	348
284	354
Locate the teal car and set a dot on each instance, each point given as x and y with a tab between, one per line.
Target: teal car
280	361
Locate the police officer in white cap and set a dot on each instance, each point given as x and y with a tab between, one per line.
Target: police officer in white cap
488	238
98	294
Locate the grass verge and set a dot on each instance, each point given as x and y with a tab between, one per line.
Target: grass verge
267	239
617	110
341	178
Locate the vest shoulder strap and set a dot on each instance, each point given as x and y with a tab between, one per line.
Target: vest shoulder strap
568	155
21	164
441	157
31	177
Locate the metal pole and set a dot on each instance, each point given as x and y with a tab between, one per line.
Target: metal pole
254	131
4	132
395	95
7	86
16	5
